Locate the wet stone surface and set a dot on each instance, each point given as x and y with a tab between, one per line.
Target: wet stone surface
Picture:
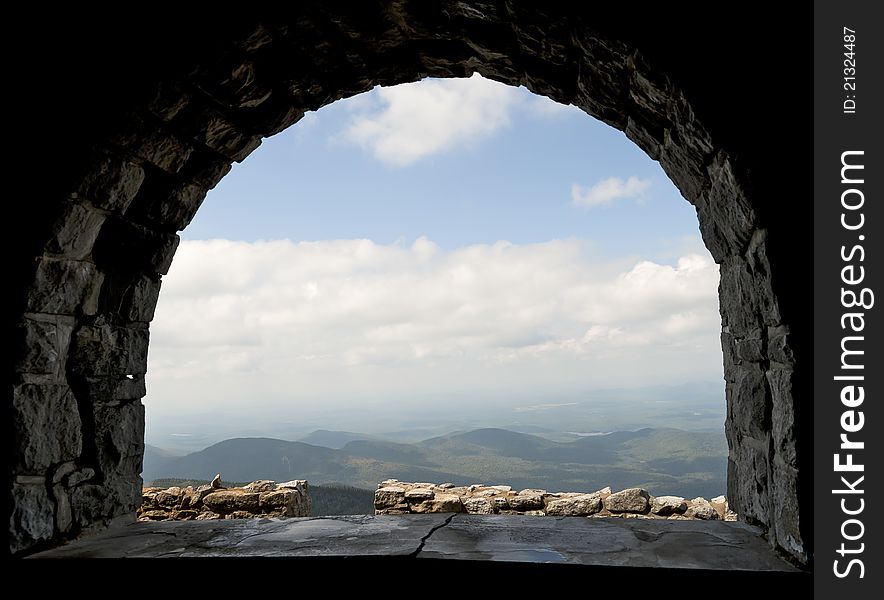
711	545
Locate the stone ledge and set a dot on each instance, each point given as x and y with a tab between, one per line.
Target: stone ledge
394	497
603	542
259	499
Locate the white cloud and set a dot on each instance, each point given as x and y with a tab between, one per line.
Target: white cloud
312	319
405	123
608	191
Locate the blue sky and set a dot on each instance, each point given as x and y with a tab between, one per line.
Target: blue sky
513	183
453	237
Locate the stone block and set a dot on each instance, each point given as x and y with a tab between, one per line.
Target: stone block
130	248
575	506
700	508
729	356
119	439
133	297
751	348
783	415
109	351
747	480
727	218
63	516
177	208
42	346
630	500
523	501
74	231
228	501
668	505
115	388
759	265
46	422
65	287
748	401
112	183
478	506
32	519
786	524
388	496
153	144
779	348
740	299
236	85
224	137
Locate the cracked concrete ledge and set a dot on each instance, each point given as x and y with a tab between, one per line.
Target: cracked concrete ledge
706	545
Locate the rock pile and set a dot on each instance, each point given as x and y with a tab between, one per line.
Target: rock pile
394	497
258	499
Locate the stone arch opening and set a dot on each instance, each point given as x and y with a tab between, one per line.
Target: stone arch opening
104	233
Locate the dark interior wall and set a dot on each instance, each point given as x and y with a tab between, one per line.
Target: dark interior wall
121	128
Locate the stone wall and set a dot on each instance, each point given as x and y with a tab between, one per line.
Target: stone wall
394	497
258	499
133	125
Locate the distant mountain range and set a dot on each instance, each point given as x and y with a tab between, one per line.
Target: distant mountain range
664	461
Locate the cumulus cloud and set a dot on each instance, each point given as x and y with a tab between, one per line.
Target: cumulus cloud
608	191
402	124
305	317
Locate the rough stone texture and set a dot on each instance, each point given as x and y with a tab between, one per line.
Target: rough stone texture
75	230
49	420
394	497
65	287
169	105
686	545
575	506
263	498
668	505
106	351
631	500
43	345
701	509
33	519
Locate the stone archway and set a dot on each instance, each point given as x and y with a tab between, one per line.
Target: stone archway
98	244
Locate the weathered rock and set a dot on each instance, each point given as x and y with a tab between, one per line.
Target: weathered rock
262	485
668	505
33	518
575	506
169	498
441	503
419	495
389	496
719	503
701	509
630	500
500	504
43	345
291	499
287	502
227	501
64	286
526	500
47	423
195	496
478	506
